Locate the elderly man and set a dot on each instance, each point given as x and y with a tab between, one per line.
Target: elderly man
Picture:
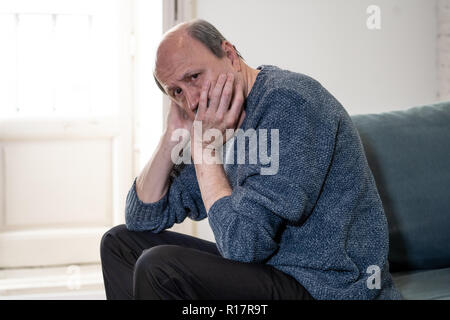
314	229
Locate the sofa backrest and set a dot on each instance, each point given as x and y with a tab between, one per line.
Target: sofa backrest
409	155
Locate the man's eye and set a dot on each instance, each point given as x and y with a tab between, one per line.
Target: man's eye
195	76
178	91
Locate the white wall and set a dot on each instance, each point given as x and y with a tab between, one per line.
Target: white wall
366	70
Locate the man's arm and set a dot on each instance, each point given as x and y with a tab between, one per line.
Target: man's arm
153	182
163	195
222	111
213	183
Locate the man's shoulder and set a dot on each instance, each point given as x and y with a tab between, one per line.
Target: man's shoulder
285	89
278	80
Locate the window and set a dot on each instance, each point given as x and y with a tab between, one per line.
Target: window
58	58
80	115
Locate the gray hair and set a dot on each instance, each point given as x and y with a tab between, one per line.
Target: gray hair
207	34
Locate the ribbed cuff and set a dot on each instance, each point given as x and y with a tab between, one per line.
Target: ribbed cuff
219	215
143	216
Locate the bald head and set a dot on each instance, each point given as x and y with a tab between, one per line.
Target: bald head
173	39
180	35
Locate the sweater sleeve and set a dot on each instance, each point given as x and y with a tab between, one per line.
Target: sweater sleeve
182	200
247	223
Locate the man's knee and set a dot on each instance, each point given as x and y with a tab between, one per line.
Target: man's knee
156	272
159	263
158	259
108	241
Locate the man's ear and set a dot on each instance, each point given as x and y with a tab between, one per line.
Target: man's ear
231	55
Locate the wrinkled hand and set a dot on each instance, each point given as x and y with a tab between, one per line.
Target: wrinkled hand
222	111
177	118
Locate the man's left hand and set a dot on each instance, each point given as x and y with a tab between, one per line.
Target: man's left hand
218	112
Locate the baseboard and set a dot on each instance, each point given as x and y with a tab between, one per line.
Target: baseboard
62	282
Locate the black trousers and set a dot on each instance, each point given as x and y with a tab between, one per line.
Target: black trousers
171	265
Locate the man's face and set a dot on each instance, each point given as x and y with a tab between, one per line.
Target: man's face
183	65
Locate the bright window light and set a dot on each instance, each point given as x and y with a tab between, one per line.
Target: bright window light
149	112
59	58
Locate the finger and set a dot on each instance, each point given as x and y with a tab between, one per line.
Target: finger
225	99
185	115
216	94
175	108
236	106
203	101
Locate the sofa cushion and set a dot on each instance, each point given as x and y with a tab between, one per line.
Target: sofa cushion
424	285
409	154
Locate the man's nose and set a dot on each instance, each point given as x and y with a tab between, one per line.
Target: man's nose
192	97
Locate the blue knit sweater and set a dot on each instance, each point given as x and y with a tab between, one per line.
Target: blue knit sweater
319	218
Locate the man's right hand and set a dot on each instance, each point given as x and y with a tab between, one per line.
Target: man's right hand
177	118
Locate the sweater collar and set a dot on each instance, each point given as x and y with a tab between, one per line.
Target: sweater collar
255	93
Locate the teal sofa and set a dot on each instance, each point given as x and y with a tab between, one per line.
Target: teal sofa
409	154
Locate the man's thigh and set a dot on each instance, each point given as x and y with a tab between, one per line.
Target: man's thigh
175	272
135	242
